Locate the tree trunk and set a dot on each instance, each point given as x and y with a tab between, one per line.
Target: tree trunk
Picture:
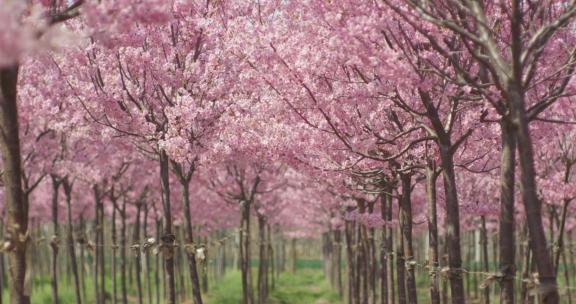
168	238
372	258
123	285
485	265
157	263
400	269
271	264
16	217
560	239
263	261
96	249
247	294
82	242
506	222
327	255
452	227
390	245
147	260
137	252
191	250
406	228
100	246
350	267
54	242
70	241
384	249
114	249
434	264
204	265
338	262
532	204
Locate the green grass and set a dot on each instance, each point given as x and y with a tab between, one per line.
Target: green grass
306	286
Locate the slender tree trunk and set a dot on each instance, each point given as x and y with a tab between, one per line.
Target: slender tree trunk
16	217
157	263
123	261
204	265
444	289
327	255
101	252
372	260
338	262
506	222
406	229
390	245
168	238
532	204
54	242
400	269
70	242
191	250
248	297
147	259
263	260
384	249
351	263
82	242
359	259
114	249
137	252
485	265
560	238
452	227
431	177
180	268
96	249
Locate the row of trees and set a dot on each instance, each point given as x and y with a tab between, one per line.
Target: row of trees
343	117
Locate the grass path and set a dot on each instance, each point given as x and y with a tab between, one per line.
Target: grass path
303	287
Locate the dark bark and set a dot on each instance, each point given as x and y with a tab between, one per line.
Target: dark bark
147	259
113	266
351	263
560	239
54	242
96	249
434	264
263	261
101	246
371	247
16	216
123	273
184	179
485	265
157	263
82	242
452	228
446	149
506	221
136	250
327	259
406	230
532	204
338	262
168	238
400	269
204	265
70	241
390	245
247	294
